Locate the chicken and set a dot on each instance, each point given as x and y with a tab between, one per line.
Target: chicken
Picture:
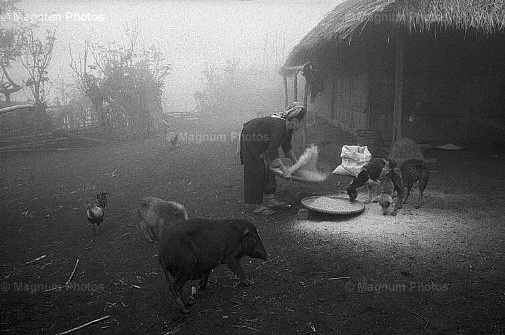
175	140
95	212
95	215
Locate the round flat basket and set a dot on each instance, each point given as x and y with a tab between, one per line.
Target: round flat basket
333	205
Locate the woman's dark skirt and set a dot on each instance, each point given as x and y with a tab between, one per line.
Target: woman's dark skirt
258	178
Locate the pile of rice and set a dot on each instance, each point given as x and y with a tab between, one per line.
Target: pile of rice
334	205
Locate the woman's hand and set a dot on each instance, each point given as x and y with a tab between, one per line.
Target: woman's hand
277	163
291	155
286	173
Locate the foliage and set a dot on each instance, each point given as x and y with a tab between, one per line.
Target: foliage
19	44
36	58
8	6
11	48
124	86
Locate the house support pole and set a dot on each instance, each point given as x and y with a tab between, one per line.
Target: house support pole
399	78
286	98
333	96
295	86
305	99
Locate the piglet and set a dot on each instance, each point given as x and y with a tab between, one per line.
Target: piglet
368	177
156	215
192	249
391	182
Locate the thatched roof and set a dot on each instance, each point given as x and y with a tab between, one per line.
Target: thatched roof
353	16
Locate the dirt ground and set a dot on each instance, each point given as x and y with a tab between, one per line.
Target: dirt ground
434	270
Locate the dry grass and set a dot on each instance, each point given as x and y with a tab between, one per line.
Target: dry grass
352	16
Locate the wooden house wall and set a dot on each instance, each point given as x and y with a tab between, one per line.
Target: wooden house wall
458	79
382	85
345	100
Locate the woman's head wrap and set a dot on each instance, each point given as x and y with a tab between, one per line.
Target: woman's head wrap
294	111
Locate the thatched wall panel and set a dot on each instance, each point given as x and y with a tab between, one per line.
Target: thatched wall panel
350	101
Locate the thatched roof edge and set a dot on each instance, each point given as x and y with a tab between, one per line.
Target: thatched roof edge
340	24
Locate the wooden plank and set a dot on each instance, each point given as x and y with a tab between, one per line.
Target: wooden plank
305	99
289	70
286	97
333	96
399	78
370	87
86	138
295	87
14	108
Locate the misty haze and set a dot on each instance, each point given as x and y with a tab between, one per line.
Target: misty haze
273	167
256	34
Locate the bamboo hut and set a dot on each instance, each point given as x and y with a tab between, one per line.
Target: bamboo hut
431	70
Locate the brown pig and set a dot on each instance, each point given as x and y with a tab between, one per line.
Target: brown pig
156	214
192	249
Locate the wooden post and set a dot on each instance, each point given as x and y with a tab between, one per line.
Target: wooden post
399	77
286	98
370	59
305	99
295	86
333	95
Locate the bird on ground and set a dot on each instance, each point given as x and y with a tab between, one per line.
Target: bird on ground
175	140
95	212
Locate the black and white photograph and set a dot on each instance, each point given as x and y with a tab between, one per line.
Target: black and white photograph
181	167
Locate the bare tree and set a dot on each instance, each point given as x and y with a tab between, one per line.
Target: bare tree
36	60
8	86
125	87
11	48
8	6
87	82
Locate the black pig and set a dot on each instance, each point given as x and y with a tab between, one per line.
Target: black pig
192	249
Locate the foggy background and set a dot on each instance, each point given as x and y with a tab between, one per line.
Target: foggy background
255	36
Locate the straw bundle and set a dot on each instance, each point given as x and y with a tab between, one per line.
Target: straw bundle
352	17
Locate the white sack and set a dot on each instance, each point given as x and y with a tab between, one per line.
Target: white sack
354	158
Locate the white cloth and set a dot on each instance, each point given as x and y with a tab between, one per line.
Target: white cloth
354	158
